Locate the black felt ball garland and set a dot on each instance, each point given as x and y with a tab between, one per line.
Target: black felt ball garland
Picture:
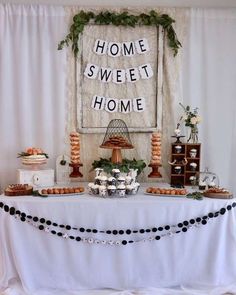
167	230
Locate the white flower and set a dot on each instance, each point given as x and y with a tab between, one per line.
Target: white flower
199	119
193	120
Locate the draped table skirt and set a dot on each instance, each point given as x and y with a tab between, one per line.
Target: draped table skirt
204	255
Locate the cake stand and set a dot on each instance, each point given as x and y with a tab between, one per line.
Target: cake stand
116	138
34	166
116	156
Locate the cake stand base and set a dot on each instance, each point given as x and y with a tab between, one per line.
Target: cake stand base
75	172
116	156
155	173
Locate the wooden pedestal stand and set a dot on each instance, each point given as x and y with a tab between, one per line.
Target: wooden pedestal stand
155	173
75	172
116	153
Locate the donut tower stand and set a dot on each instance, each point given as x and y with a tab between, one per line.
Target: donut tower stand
156	155
75	155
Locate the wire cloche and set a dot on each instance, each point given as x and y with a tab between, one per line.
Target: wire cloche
117	138
117	135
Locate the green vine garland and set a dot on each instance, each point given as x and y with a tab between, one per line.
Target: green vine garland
120	19
126	164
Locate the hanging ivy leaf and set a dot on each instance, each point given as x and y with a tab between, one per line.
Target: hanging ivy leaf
120	19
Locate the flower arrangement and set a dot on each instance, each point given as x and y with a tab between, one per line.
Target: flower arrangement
191	119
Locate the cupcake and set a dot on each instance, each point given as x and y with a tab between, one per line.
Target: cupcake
111	190
202	185
128	180
90	186
102	191
120	180
95	189
115	173
129	189
97	180
121	190
111	181
103	180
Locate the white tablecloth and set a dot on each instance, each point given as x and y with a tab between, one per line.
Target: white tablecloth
203	256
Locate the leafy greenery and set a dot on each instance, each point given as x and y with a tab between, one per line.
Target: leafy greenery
126	164
195	195
24	154
120	19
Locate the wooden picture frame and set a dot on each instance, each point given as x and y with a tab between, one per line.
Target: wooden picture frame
95	127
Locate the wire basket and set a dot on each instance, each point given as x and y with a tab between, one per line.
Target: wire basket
117	136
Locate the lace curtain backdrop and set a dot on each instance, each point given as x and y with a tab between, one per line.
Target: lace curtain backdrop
172	95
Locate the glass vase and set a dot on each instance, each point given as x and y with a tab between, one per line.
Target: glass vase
193	137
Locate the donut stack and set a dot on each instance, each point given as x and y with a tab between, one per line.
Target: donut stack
156	148
75	148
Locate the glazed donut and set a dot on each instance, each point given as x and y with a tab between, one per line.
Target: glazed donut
74	134
155	157
74	142
75	147
75	153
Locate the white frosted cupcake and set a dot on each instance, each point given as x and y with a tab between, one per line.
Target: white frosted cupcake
202	185
90	188
97	180
111	190
115	173
102	191
103	180
121	180
129	189
95	189
128	180
111	181
121	190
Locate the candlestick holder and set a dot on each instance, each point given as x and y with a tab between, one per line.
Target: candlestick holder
155	173
75	172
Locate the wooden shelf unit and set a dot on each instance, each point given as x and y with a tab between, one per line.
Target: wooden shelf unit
182	178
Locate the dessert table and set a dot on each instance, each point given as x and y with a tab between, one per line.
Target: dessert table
143	241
